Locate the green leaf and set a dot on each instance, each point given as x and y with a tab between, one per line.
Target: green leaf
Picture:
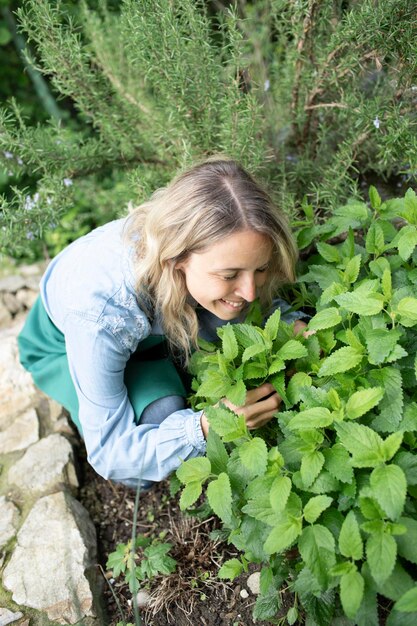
295	384
386	283
408	463
391	406
363	401
380	343
190	493
252	351
317	548
315	507
324	275
374	197
272	325
410	205
283	535
260	509
407	544
225	423
328	252
389	486
325	319
230	569
236	393
407	308
352	587
408	602
254	455
352	269
406	241
254	370
340	361
229	343
219	495
361	303
267	606
381	553
280	491
337	462
365	445
197	469
215	387
392	444
375	239
276	366
311	465
216	453
293	349
350	540
317	417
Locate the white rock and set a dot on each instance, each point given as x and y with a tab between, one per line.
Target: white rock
5	316
44	466
17	391
55	546
8	515
142	598
254	583
22	432
26	297
7	617
12	283
244	594
11	303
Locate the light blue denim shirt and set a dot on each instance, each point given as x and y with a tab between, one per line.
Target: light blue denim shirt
88	292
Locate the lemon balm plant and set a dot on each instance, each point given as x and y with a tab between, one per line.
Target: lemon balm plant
324	499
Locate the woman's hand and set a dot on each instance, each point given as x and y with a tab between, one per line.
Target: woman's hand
261	405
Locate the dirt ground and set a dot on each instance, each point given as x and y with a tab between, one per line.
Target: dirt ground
192	595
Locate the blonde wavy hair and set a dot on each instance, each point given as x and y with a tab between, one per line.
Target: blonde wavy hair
210	201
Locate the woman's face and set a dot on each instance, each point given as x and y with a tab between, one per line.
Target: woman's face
224	277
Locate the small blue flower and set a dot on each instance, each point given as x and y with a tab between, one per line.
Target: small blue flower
30	235
267	85
377	122
19	160
67	182
8	155
29	203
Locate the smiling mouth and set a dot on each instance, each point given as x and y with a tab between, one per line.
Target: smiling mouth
235	305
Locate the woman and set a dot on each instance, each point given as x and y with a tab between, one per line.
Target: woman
188	260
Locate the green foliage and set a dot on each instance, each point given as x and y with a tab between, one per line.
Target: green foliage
145	88
334	474
148	558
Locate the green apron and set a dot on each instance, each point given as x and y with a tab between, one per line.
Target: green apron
42	352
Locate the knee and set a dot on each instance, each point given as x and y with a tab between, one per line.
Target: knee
158	410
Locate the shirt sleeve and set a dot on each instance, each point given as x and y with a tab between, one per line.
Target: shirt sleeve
117	448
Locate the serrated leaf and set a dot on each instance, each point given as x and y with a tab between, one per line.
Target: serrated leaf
230	569
328	252
254	455
229	343
337	462
283	535
325	319
215	387
407	308
236	393
216	453
389	487
254	370
340	361
408	463
317	548
197	469
363	401
352	587
219	495
318	417
406	241
364	444
322	274
391	406
252	351
374	242
408	602
272	325
260	509
386	283
190	493
391	445
380	342
352	269
315	507
311	465
276	366
381	553
350	540
407	543
279	493
293	349
361	303
374	197
225	423
295	384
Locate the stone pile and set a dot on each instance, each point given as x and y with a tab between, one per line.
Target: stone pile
48	549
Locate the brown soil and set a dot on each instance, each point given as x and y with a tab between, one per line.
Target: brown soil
192	596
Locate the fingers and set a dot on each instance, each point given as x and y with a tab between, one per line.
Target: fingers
261	405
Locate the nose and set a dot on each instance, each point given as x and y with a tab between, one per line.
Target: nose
246	288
